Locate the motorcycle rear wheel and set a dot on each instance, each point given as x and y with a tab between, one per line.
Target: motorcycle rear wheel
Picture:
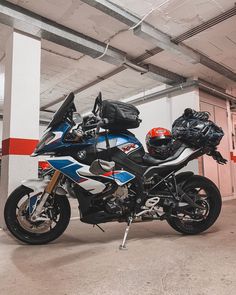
211	200
39	232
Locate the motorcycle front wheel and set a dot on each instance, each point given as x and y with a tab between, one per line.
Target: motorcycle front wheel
205	193
56	216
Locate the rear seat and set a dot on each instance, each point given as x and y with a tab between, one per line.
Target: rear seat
151	161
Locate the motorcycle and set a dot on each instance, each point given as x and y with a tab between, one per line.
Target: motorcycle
112	178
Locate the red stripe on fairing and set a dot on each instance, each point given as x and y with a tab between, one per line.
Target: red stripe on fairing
232	157
18	146
82	180
110	173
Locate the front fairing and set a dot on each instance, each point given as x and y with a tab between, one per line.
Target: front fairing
58	145
55	143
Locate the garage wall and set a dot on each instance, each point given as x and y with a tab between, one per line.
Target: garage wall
163	111
233	148
153	114
221	175
1	134
41	130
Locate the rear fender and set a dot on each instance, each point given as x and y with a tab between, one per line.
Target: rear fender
183	177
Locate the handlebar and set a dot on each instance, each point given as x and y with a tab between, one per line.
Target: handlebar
90	126
100	124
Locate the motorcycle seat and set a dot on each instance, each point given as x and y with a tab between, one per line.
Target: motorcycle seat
151	161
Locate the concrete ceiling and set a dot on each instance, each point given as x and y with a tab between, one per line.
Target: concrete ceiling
218	42
64	70
175	17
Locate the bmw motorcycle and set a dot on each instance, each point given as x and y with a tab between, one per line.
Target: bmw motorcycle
112	178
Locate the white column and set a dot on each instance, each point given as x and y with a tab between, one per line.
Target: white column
21	113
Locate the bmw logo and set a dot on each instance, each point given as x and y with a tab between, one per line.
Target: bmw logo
81	155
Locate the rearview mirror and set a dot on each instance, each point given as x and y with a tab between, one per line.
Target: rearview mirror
77	118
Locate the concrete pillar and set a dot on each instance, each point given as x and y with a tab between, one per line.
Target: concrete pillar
2	75
21	113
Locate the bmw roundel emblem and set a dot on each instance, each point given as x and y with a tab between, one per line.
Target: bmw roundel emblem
81	155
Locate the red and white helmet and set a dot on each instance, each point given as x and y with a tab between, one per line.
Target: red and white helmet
157	141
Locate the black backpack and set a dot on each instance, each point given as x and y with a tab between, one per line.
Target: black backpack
196	130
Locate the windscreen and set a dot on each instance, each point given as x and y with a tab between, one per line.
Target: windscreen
68	105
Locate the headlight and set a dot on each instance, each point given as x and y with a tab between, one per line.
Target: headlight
44	141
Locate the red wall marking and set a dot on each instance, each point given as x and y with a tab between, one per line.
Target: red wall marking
18	146
232	157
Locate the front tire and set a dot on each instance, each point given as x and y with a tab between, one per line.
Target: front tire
39	232
211	200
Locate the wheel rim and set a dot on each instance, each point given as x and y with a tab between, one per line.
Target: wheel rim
196	215
37	227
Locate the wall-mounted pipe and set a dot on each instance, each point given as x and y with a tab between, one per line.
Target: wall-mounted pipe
216	92
164	92
180	87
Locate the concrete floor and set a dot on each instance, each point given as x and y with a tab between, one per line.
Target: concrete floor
159	261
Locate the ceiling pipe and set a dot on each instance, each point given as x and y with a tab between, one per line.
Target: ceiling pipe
36	25
214	91
164	92
181	87
205	25
153	35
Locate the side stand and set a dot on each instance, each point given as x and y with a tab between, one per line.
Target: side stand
123	245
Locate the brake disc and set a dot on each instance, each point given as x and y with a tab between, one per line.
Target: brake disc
30	226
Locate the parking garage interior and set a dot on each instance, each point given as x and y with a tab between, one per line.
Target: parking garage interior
161	56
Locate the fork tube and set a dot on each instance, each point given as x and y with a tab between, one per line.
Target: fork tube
53	182
48	190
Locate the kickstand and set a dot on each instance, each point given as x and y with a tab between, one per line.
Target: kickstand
123	245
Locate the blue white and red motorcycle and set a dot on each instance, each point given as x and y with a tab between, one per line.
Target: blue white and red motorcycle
105	167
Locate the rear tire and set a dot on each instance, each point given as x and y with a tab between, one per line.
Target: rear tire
214	203
17	224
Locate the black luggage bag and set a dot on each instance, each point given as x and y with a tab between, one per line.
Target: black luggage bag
121	115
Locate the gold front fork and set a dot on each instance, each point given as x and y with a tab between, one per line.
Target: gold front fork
48	190
53	182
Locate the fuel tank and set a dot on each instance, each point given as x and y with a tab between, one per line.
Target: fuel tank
108	145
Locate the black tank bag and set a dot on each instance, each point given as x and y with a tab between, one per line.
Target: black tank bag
121	116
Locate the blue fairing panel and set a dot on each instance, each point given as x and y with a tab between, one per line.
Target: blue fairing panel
67	167
121	177
80	174
116	140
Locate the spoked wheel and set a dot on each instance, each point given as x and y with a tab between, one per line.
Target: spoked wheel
53	220
203	192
